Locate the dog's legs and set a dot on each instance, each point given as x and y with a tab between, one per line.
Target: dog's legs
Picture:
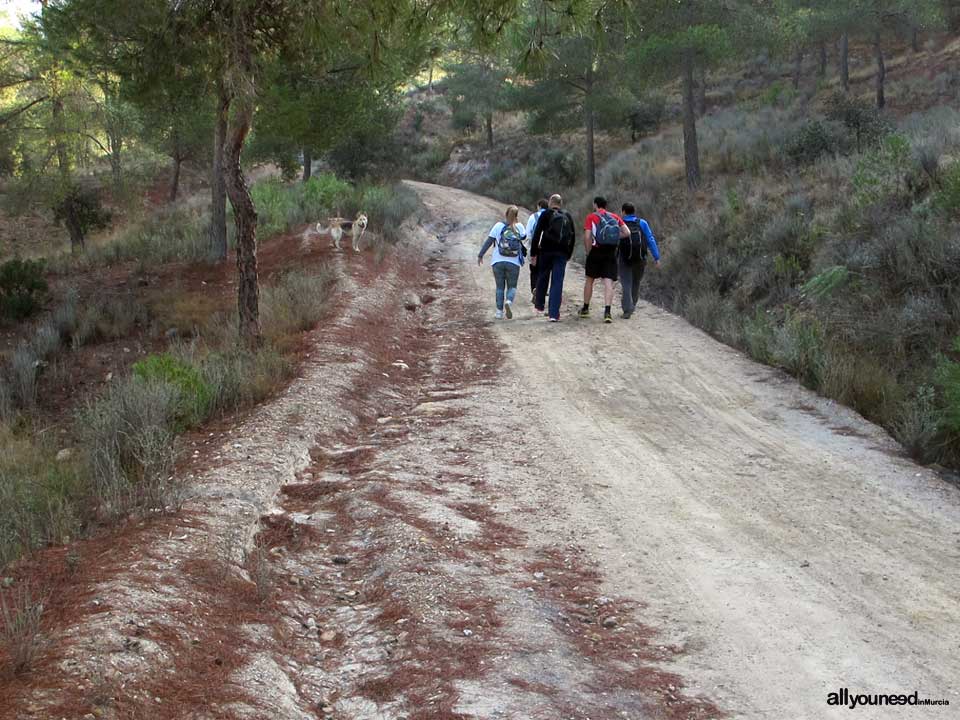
336	233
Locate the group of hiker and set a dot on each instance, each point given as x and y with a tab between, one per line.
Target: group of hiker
616	248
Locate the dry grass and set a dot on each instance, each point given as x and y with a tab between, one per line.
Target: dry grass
20	639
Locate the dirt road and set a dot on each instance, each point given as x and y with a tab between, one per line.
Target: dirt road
782	541
446	517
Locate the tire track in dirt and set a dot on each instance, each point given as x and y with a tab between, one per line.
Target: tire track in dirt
787	545
397	573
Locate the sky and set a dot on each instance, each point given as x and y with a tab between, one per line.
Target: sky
12	9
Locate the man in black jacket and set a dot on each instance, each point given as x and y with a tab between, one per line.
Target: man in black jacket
552	246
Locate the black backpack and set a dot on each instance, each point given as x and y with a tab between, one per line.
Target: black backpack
559	235
636	243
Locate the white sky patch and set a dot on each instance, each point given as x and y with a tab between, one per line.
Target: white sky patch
13	10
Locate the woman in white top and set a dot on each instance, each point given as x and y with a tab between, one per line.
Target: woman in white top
506	238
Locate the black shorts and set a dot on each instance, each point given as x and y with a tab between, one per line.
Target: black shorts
601	263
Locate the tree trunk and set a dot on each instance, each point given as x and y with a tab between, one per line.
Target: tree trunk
915	40
489	125
175	178
430	80
307	164
702	93
845	62
881	72
59	128
797	69
245	216
822	70
218	185
691	151
77	240
116	168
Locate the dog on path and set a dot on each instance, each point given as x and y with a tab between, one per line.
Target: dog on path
337	226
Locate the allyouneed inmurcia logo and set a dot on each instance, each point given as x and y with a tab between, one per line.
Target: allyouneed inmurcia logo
844	698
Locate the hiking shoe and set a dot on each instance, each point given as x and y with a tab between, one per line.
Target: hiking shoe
584	313
553	319
607	318
508	310
627	315
498	315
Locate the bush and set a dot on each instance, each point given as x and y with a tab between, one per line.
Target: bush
797	347
647	115
918	425
195	396
294	303
22	288
861	118
811	142
882	171
40	498
7	407
282	207
247	378
20	614
947	198
46	341
24	365
129	435
64	317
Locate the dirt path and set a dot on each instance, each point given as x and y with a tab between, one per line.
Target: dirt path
449	518
782	541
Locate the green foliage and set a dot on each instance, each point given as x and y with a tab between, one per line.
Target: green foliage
195	396
881	172
814	140
827	282
81	210
23	286
948	381
41	499
863	120
281	206
947	198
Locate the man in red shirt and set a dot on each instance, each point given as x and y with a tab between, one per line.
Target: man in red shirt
602	234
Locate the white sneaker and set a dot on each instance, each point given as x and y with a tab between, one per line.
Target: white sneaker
508	309
498	315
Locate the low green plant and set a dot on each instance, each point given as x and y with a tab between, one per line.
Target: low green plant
195	395
826	282
947	198
23	287
881	171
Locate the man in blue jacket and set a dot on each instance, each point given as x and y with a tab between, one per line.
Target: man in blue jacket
633	257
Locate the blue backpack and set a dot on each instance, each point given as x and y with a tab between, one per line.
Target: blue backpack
510	242
608	230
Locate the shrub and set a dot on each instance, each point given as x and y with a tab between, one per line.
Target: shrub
195	396
238	378
797	347
811	142
40	498
20	615
647	115
22	288
882	171
387	208
948	381
947	198
826	282
859	381
81	210
7	407
46	341
918	424
862	119
64	317
128	433
24	365
295	302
